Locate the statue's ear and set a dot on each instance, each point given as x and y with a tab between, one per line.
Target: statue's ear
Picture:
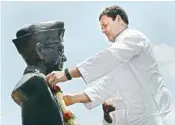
38	50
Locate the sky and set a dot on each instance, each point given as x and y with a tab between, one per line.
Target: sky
82	39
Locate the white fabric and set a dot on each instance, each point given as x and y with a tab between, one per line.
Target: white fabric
129	66
119	115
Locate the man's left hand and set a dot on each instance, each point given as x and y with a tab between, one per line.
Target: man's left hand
56	77
68	99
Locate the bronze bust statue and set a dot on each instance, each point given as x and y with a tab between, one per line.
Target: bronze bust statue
41	47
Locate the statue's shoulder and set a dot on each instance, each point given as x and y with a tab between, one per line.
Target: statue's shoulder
27	88
31	77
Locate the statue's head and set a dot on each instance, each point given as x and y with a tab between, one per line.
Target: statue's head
42	44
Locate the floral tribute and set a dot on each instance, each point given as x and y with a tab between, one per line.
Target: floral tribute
69	117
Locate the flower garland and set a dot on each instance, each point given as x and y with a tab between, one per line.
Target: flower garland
68	116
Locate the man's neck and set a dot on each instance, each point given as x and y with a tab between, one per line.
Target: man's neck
121	31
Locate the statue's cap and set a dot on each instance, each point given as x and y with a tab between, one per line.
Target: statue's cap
39	27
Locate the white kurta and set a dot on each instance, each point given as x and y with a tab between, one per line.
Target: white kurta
119	115
129	66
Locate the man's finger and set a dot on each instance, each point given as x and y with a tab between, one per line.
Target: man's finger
55	81
51	80
48	76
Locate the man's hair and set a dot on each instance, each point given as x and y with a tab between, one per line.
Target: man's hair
113	11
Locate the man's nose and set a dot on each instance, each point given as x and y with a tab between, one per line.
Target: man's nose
104	31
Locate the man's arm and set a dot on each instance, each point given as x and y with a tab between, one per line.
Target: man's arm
81	97
75	73
101	63
93	68
60	76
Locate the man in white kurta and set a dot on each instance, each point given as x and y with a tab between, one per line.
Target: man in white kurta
131	64
128	67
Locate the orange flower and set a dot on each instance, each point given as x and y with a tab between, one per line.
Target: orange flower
68	115
56	89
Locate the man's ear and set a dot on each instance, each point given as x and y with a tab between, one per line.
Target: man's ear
118	18
38	50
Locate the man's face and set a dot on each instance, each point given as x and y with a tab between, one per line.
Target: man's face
110	27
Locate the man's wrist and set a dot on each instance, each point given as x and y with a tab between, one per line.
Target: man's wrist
67	74
80	97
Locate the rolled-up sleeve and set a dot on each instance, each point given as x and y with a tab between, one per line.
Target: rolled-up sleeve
98	65
105	61
101	90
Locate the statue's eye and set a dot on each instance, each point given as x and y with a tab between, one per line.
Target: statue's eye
60	48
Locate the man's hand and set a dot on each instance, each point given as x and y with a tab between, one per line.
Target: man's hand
68	99
56	77
60	76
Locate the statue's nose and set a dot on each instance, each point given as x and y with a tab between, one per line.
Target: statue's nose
64	58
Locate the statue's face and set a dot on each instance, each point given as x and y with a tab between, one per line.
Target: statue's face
51	50
53	55
42	44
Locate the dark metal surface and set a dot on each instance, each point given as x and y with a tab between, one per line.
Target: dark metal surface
41	47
